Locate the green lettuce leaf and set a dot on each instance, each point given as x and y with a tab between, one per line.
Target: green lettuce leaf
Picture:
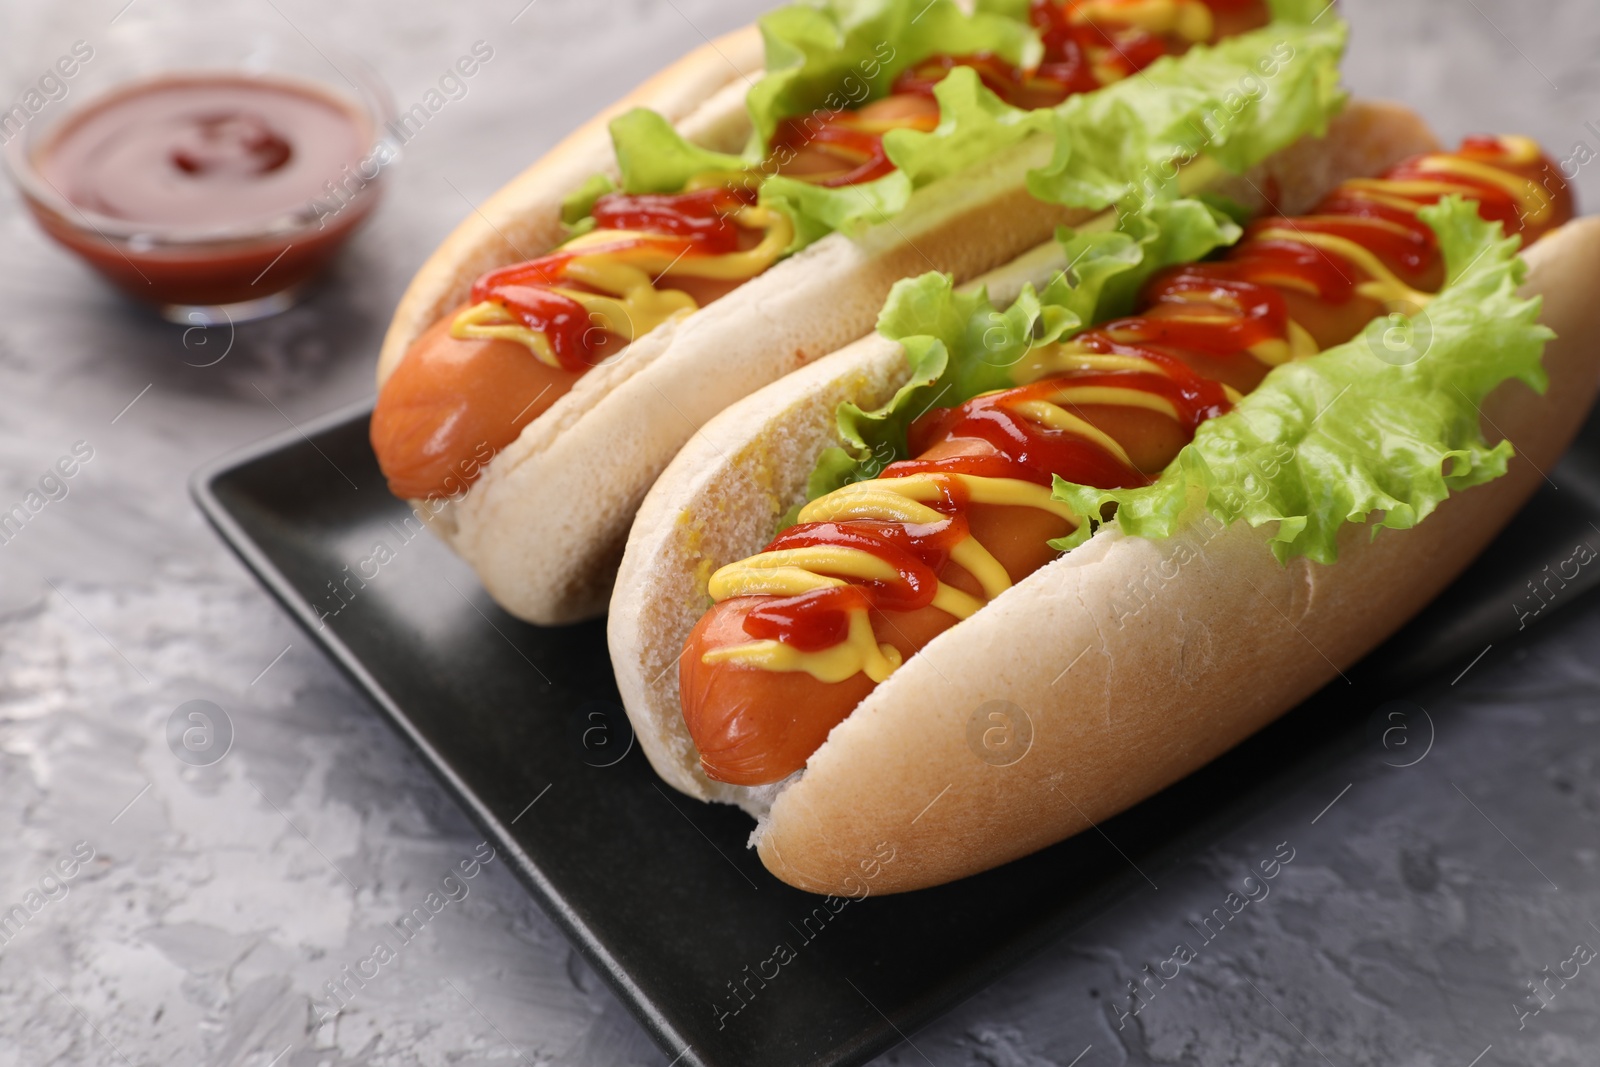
826	55
1386	423
655	158
832	54
974	124
1109	269
576	208
959	344
1234	104
1011	9
817	211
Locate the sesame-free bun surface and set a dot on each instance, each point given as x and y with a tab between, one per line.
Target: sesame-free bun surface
1120	702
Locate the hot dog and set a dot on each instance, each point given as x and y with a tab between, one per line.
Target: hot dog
832	686
643	312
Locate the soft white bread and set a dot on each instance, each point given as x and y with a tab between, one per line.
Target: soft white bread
1121	702
721	498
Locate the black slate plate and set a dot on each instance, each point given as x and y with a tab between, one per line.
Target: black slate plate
523	725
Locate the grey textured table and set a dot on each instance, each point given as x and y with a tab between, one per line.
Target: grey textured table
1406	930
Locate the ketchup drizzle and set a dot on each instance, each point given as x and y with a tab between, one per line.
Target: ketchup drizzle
1067	65
697	223
1217	309
701	220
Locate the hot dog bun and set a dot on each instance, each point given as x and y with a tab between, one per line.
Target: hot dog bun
721	497
1117	711
702	94
546	521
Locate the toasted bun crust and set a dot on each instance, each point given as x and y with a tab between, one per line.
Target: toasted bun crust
702	94
1119	705
721	498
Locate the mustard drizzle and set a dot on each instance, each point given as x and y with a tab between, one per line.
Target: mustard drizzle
791	572
626	300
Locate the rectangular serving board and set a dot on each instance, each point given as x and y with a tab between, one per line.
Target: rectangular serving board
523	726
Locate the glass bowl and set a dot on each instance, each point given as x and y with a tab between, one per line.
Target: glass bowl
214	272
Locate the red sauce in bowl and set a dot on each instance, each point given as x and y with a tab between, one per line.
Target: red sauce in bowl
203	189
